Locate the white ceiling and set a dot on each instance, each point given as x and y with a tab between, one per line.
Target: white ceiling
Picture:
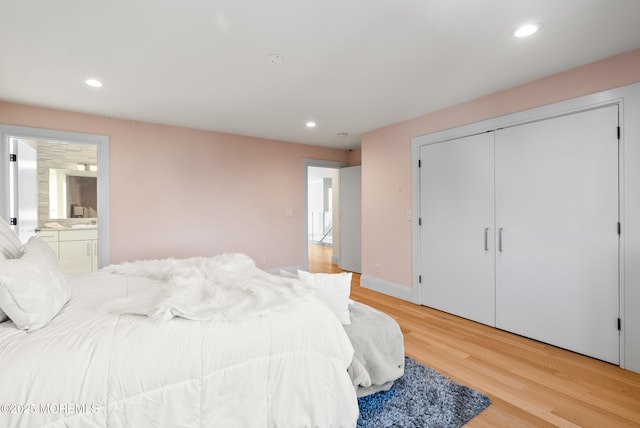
351	65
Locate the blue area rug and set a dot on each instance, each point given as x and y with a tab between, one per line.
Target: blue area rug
421	398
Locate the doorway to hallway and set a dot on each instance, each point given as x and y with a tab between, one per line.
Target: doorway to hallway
322	211
320	207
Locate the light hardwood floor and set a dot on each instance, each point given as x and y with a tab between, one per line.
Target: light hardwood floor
530	384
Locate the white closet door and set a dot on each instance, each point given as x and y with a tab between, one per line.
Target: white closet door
557	210
351	219
456	207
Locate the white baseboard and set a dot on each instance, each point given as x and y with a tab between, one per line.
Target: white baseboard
292	269
389	288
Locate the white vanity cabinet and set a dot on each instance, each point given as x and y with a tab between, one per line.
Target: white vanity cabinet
77	249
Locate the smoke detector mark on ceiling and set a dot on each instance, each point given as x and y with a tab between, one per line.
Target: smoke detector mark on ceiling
275	58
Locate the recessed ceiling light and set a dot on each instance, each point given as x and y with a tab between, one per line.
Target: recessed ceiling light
342	134
93	83
526	30
311	124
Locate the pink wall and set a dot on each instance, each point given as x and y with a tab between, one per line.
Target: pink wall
178	192
355	157
386	155
181	192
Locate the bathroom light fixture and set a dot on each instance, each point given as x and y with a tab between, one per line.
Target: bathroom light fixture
311	124
527	30
93	83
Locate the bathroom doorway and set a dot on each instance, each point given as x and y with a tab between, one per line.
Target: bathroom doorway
57	181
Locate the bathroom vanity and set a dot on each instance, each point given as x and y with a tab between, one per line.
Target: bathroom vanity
76	247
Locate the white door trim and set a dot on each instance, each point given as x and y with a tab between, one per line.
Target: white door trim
102	145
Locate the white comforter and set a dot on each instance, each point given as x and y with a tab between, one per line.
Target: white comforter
92	368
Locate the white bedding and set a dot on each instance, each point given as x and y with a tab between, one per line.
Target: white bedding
91	368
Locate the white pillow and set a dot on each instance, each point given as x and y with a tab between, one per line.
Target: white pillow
10	245
333	289
3	316
33	289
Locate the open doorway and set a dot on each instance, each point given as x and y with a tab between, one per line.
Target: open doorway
54	184
322	217
320	206
320	214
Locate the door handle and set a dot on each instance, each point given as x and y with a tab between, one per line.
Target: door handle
500	239
486	239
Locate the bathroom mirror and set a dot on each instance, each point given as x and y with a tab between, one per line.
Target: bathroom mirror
73	193
66	177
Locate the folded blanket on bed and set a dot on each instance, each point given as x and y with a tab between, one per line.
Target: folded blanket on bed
224	287
379	349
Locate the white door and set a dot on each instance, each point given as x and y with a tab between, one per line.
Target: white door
556	220
351	219
26	187
456	235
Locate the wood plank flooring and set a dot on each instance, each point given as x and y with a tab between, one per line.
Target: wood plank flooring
530	384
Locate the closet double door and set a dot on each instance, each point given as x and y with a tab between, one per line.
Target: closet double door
520	230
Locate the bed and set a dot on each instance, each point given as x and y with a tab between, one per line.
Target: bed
89	366
184	343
